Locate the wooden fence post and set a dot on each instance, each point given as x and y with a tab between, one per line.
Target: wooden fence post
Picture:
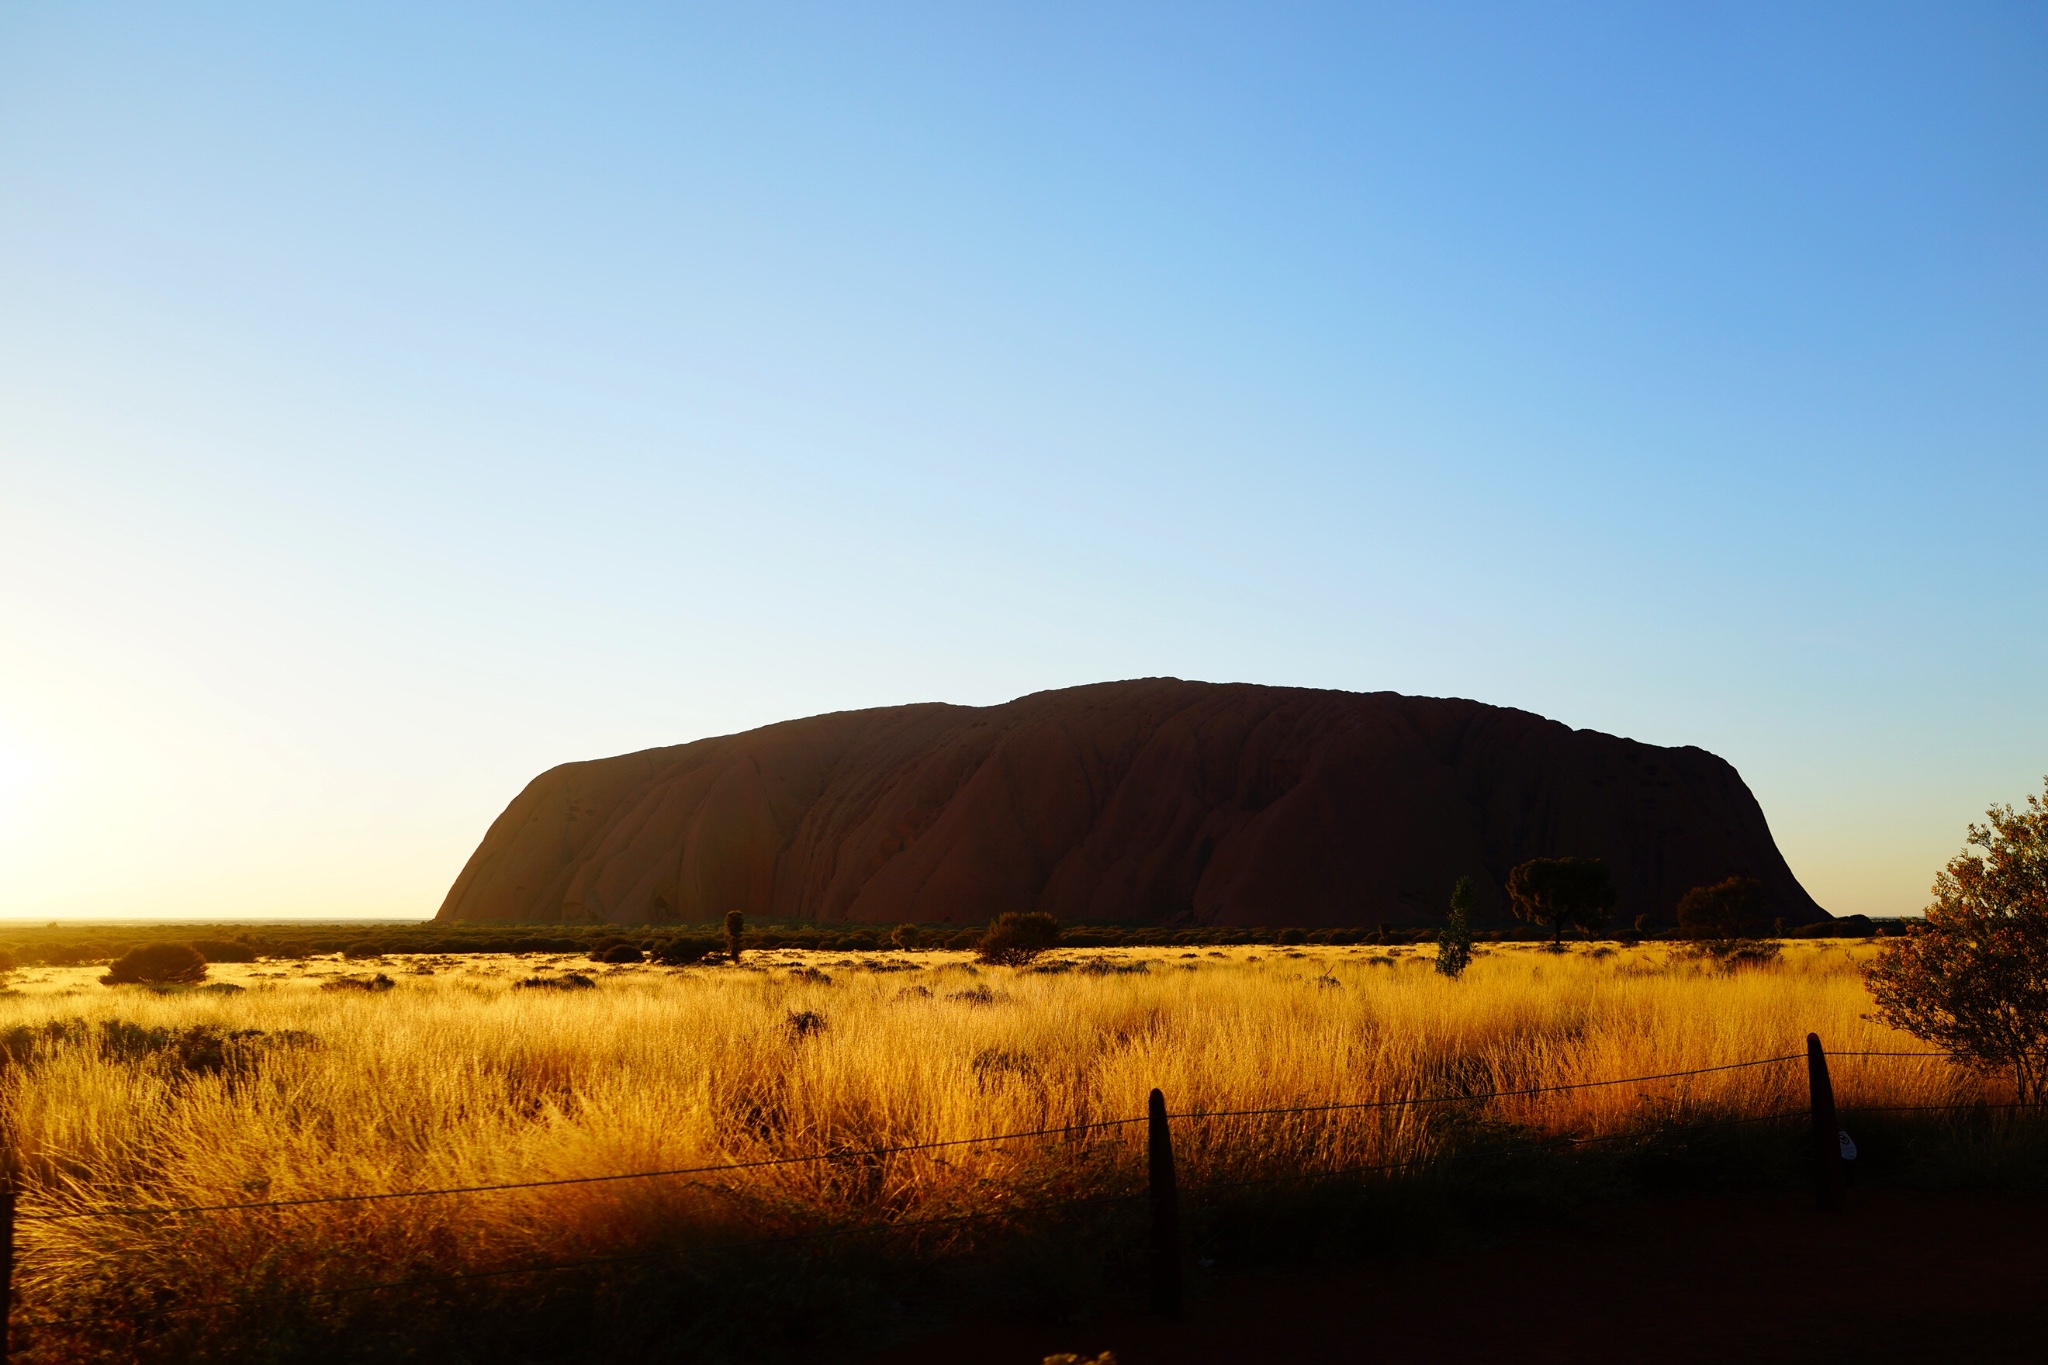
1165	1213
1827	1140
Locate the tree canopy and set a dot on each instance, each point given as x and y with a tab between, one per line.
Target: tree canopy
1974	976
1562	892
1729	909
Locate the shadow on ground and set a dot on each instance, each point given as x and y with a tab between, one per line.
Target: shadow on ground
1901	1277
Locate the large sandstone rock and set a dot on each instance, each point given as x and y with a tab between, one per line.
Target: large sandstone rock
1155	801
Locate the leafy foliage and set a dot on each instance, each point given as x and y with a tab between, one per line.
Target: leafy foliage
1454	948
1562	893
735	932
1974	976
1014	939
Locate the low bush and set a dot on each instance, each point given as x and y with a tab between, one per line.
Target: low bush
574	981
379	982
681	952
157	964
1014	939
620	953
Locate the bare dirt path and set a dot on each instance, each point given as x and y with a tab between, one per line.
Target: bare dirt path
1901	1277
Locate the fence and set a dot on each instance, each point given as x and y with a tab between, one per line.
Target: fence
1161	1194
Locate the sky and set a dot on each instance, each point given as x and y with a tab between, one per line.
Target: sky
398	400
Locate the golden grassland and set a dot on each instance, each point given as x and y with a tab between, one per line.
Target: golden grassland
455	1076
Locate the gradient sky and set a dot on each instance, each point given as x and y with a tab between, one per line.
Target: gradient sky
396	401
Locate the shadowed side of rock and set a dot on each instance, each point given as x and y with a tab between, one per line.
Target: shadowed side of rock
1155	801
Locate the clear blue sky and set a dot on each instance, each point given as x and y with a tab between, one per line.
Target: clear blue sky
396	401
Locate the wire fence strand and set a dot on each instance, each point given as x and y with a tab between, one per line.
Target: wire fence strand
860	1153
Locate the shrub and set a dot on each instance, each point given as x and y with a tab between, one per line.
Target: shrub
735	931
905	936
6	960
681	952
364	948
379	982
1974	976
157	964
1014	939
1729	909
621	952
574	981
1292	936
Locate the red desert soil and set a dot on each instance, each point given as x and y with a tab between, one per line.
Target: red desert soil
1901	1277
1149	801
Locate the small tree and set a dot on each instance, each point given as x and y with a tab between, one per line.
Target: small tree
735	930
1973	977
157	964
1562	891
1014	939
1725	912
905	936
1454	945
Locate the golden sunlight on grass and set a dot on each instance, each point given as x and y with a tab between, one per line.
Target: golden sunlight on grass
455	1076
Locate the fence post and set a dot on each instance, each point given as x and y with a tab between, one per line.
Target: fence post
1165	1213
1827	1141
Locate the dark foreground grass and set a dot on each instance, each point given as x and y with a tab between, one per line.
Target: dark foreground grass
1067	1250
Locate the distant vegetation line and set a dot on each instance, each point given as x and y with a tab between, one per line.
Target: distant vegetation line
72	944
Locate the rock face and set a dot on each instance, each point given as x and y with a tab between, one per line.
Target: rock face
1152	801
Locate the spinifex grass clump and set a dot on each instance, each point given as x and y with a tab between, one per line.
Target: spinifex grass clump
463	1079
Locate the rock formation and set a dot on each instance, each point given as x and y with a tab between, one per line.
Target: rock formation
1151	801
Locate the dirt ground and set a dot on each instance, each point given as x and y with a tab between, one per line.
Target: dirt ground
1899	1277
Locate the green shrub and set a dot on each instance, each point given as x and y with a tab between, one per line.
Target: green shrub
366	948
159	964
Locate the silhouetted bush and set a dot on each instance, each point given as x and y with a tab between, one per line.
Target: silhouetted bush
621	952
574	981
158	964
905	936
6	960
1014	939
681	952
379	982
366	948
